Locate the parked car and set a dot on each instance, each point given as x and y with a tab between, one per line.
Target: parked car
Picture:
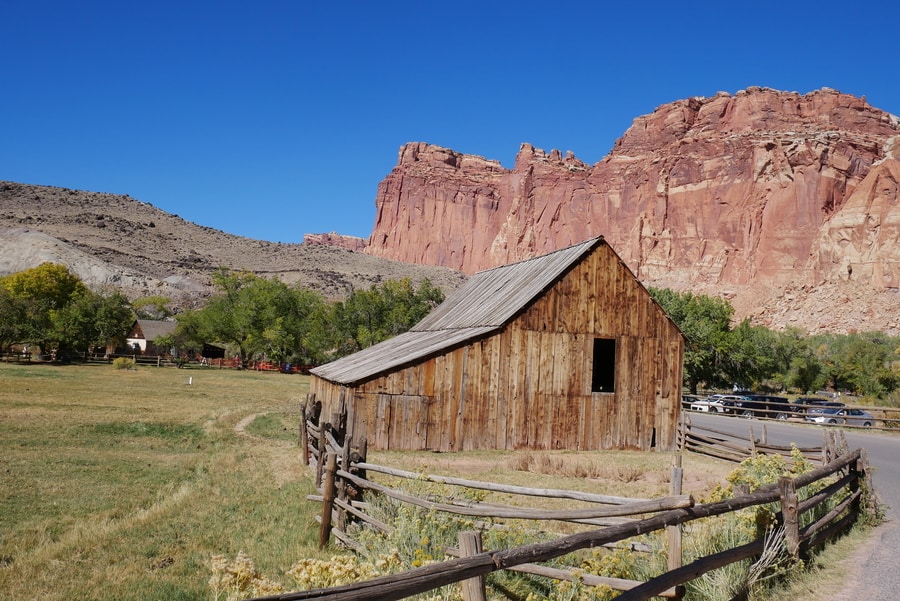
688	399
842	415
811	405
764	405
718	403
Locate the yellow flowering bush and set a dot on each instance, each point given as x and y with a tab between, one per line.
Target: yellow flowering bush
239	579
341	569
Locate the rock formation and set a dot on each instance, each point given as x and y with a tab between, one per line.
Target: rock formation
354	243
749	196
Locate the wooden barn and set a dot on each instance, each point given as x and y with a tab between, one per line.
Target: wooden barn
563	351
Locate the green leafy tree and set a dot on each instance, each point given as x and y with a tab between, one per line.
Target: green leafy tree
861	362
42	290
796	364
750	355
91	319
152	307
705	322
13	315
256	317
368	317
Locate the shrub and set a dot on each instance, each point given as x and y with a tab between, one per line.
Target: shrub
123	363
239	579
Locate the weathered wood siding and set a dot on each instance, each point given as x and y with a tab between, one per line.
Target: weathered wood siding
529	385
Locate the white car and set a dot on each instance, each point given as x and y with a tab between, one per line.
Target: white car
718	403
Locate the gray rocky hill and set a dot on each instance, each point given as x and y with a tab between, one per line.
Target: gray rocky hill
115	240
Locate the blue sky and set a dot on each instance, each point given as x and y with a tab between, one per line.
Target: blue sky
272	119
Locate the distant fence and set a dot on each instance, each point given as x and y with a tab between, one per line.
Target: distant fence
734	447
341	474
219	363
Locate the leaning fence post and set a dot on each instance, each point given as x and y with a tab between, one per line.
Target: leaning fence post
674	532
469	545
790	515
327	500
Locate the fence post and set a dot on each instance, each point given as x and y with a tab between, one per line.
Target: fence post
752	442
344	490
469	545
674	532
869	502
303	434
327	500
790	515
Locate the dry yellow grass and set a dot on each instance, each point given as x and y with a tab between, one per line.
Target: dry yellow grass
123	484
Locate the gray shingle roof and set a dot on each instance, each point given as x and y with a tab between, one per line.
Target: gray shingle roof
485	303
153	329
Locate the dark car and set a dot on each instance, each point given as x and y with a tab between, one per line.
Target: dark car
764	405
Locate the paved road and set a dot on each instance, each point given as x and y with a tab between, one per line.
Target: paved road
879	576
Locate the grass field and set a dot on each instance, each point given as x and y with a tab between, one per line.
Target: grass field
123	484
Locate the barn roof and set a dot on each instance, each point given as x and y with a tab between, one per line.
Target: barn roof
485	303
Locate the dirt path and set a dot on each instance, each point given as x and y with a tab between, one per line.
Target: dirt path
282	456
240	428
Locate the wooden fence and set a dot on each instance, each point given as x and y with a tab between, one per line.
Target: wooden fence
341	473
733	447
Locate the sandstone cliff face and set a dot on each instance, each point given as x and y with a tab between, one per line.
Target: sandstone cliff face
746	195
354	243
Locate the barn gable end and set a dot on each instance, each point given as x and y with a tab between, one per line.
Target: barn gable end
565	351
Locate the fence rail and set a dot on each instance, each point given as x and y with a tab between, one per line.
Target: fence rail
341	472
733	447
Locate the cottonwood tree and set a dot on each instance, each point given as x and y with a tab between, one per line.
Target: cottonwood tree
91	319
51	307
255	316
705	322
371	316
42	290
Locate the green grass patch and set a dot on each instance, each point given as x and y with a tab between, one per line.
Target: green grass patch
278	426
124	484
188	432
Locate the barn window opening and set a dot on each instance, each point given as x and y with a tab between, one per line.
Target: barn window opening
604	372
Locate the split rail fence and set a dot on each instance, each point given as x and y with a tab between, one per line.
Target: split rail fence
342	476
732	447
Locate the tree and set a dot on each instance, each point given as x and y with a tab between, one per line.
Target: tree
371	316
862	362
152	307
42	290
256	316
705	322
750	355
796	363
12	319
90	319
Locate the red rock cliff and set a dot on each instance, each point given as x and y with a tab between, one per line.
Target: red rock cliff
746	195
